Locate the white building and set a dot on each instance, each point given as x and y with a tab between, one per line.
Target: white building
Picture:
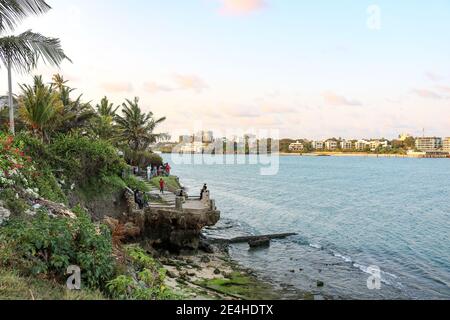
376	144
429	144
296	146
317	145
362	145
331	145
446	144
346	145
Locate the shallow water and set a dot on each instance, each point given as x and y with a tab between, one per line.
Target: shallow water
350	213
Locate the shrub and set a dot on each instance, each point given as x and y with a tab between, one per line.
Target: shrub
134	183
147	282
83	160
143	159
47	246
15	166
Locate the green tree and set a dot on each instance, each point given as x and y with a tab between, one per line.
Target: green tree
22	52
103	123
75	114
39	106
136	127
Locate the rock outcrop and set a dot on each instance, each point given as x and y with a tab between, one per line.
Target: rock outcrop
174	228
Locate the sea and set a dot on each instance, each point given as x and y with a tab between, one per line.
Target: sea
367	228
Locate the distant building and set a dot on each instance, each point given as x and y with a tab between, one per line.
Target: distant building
317	145
362	145
186	139
296	146
429	144
346	145
208	137
446	144
376	144
331	145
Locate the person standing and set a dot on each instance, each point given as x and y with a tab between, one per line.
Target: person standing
161	185
204	189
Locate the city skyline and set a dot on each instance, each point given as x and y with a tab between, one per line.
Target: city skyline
295	67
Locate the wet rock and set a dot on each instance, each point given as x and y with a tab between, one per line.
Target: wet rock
320	284
263	242
292	271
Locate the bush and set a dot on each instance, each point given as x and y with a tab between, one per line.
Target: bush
47	246
146	281
134	183
16	205
83	160
143	159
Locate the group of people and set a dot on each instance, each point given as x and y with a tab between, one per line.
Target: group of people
161	171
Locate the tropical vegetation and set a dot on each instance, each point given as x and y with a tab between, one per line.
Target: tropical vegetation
59	151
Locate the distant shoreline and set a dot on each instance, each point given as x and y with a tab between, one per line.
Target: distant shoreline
355	154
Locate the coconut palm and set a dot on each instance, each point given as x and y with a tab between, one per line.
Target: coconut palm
13	11
75	113
39	105
22	53
136	127
107	109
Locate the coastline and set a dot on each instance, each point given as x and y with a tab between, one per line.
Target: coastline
353	154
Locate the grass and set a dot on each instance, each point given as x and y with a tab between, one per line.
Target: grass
16	287
238	285
172	183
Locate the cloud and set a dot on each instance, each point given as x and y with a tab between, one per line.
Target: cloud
117	87
337	100
154	87
190	82
425	93
433	76
241	7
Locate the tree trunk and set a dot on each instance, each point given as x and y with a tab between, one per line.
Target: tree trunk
10	99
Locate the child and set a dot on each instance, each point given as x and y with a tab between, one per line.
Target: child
161	185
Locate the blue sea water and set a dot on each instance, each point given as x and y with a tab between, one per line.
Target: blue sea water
350	213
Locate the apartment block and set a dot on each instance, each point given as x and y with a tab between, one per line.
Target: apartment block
429	144
317	145
331	145
446	144
346	145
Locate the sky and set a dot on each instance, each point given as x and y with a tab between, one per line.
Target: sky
310	69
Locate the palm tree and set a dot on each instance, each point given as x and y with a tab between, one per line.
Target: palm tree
75	113
22	53
136	127
13	11
39	105
107	109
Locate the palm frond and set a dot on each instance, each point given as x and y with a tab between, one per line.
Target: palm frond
14	11
24	51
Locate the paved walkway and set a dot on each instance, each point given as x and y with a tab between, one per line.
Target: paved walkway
169	198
